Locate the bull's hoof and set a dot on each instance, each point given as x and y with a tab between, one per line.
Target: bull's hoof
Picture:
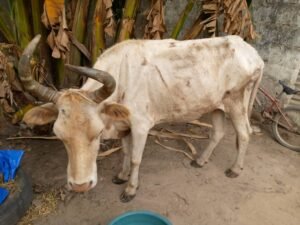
126	197
195	164
117	180
231	174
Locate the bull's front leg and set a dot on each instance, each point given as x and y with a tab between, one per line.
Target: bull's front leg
123	176
139	138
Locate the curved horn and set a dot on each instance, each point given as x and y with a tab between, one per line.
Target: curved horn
29	83
109	83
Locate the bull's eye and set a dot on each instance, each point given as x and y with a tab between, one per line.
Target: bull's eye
63	111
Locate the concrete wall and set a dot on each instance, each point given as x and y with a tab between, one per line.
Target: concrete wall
277	22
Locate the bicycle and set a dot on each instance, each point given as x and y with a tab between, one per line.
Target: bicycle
285	120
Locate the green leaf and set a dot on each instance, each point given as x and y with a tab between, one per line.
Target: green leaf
7	26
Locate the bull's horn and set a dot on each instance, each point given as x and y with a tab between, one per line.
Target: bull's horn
109	83
29	83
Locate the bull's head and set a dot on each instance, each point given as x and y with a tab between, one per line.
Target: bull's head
80	117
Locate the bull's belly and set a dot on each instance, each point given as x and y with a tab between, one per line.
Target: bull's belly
186	114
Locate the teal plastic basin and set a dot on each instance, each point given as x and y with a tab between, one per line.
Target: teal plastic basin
140	218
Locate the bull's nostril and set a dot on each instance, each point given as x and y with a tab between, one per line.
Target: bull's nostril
91	183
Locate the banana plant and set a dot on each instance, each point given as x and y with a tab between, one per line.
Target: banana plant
14	22
128	19
237	19
182	18
7	25
155	28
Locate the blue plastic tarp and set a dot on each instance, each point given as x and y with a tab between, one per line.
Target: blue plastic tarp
3	194
9	163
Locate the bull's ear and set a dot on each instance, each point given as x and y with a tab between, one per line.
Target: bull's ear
41	115
115	111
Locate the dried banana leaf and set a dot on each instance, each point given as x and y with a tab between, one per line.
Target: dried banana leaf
6	94
53	10
155	27
54	18
237	19
109	23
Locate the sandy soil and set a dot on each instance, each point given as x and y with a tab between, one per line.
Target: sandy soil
267	193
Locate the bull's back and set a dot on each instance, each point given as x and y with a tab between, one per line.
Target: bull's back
187	78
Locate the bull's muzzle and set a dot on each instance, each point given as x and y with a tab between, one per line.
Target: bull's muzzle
81	187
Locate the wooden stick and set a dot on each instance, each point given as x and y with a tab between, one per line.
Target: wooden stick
33	137
191	147
187	135
163	134
197	122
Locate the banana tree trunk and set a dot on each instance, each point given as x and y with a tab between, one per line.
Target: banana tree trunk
98	38
128	19
79	32
36	10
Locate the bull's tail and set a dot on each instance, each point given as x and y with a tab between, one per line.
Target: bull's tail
259	73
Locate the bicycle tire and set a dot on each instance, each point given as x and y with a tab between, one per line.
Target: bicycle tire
277	130
16	205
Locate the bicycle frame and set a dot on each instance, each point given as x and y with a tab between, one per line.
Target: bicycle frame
270	109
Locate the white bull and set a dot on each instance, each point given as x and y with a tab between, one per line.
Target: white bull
147	82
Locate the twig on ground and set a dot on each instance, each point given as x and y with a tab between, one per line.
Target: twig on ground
109	152
33	137
162	134
201	124
174	149
191	147
187	135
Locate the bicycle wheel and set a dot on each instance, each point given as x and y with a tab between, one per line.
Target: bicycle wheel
284	134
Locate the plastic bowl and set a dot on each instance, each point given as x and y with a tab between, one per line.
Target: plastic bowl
140	218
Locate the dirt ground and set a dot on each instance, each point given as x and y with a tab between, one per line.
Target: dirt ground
267	193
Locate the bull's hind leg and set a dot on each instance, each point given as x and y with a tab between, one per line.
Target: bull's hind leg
218	118
123	176
239	117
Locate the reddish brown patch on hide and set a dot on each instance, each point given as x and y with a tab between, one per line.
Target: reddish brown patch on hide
172	45
144	62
